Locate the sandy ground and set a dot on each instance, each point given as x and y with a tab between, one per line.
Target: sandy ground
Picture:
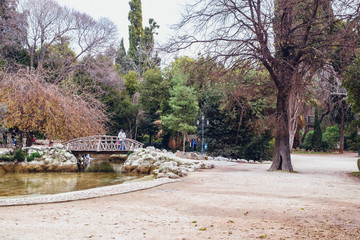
245	201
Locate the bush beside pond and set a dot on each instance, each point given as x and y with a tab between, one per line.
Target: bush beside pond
38	159
16	155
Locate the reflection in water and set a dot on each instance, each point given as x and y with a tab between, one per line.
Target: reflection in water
20	184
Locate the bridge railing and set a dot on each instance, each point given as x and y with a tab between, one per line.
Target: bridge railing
102	143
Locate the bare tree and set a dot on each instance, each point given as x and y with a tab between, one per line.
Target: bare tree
289	37
34	105
49	23
46	23
9	19
333	96
90	38
102	70
11	27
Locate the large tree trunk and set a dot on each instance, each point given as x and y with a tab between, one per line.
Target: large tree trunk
19	141
282	158
29	139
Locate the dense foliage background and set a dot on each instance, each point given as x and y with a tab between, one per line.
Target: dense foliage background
65	75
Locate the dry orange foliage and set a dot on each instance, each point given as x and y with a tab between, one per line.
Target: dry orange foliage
34	105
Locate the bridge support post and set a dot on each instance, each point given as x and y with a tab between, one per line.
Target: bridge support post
81	163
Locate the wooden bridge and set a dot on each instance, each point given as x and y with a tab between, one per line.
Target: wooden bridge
102	144
99	145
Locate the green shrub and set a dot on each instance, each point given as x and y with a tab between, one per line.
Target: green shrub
259	148
19	155
6	158
129	153
308	140
32	156
352	141
358	163
269	154
309	143
332	136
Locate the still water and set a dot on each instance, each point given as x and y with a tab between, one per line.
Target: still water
33	184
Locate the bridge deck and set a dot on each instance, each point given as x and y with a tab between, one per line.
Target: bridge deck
102	144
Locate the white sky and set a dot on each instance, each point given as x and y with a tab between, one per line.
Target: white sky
164	12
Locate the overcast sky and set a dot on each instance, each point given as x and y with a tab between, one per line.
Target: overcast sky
164	12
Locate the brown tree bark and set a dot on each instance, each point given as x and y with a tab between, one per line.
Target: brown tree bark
282	158
289	37
29	139
19	141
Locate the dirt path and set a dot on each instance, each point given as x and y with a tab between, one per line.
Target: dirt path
242	202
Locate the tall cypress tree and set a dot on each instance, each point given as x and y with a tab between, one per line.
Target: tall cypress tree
136	30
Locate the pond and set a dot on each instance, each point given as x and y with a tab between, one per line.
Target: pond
34	184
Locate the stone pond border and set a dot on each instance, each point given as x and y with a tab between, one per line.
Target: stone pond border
170	167
126	187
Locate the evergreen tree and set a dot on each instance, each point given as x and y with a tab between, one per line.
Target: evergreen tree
141	41
121	52
148	60
147	40
154	97
136	30
121	111
184	108
124	62
131	83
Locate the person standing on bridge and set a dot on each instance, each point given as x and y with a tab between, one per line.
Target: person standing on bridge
121	137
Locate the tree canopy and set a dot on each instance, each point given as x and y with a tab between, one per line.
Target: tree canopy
136	30
261	69
36	106
287	37
183	107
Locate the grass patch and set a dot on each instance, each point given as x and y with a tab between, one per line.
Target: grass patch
355	176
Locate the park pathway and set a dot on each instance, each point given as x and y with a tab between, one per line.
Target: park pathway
320	201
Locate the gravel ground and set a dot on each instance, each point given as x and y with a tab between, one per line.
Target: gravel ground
235	201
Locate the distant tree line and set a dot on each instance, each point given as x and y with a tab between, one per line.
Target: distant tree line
261	66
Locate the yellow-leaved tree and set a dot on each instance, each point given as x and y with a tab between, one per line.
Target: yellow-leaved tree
33	105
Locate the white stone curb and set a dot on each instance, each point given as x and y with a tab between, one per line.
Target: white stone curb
87	194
